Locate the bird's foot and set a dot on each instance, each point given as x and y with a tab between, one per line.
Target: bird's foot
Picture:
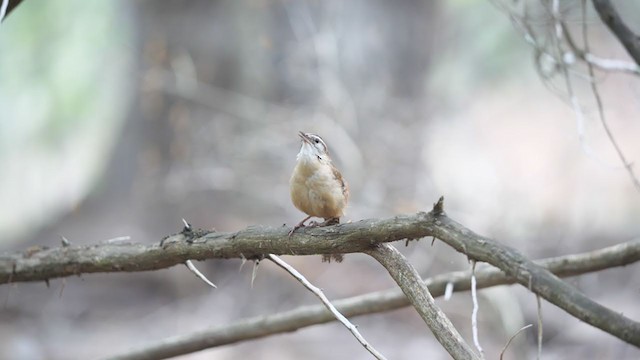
330	221
313	223
299	225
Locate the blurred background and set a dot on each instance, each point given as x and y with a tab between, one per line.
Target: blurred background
120	118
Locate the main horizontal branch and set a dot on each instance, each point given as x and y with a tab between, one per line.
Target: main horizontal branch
38	264
256	242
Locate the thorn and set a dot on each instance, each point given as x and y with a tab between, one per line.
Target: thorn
194	270
244	261
187	226
448	291
118	239
65	241
162	241
254	272
64	282
438	208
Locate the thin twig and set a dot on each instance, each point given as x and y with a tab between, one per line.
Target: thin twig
612	64
448	291
539	303
314	289
562	31
62	285
474	312
513	337
375	302
594	89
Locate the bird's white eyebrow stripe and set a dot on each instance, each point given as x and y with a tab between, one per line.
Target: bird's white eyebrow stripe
313	136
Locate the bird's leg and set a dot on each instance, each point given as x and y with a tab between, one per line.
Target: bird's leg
299	225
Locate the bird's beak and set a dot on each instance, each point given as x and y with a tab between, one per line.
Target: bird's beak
304	137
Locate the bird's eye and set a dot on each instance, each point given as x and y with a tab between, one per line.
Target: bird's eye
317	141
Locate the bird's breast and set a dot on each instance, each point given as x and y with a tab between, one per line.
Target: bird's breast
316	191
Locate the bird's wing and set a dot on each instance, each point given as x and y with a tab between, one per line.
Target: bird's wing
345	187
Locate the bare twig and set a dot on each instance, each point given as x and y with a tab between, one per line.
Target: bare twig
261	326
561	60
596	95
474	312
448	291
612	64
420	298
325	301
513	337
562	32
540	328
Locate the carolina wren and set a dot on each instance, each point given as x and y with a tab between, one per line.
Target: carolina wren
317	187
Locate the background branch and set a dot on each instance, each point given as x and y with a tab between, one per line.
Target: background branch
376	302
40	264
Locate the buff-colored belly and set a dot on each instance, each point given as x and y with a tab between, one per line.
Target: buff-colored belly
316	192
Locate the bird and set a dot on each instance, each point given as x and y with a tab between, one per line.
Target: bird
317	187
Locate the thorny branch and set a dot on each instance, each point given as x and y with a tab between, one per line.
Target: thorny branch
376	302
344	238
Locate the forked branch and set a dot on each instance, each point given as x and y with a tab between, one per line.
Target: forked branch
419	296
361	236
376	302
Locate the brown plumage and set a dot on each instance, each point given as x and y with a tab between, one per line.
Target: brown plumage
317	187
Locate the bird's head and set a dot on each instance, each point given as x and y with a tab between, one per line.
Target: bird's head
313	147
